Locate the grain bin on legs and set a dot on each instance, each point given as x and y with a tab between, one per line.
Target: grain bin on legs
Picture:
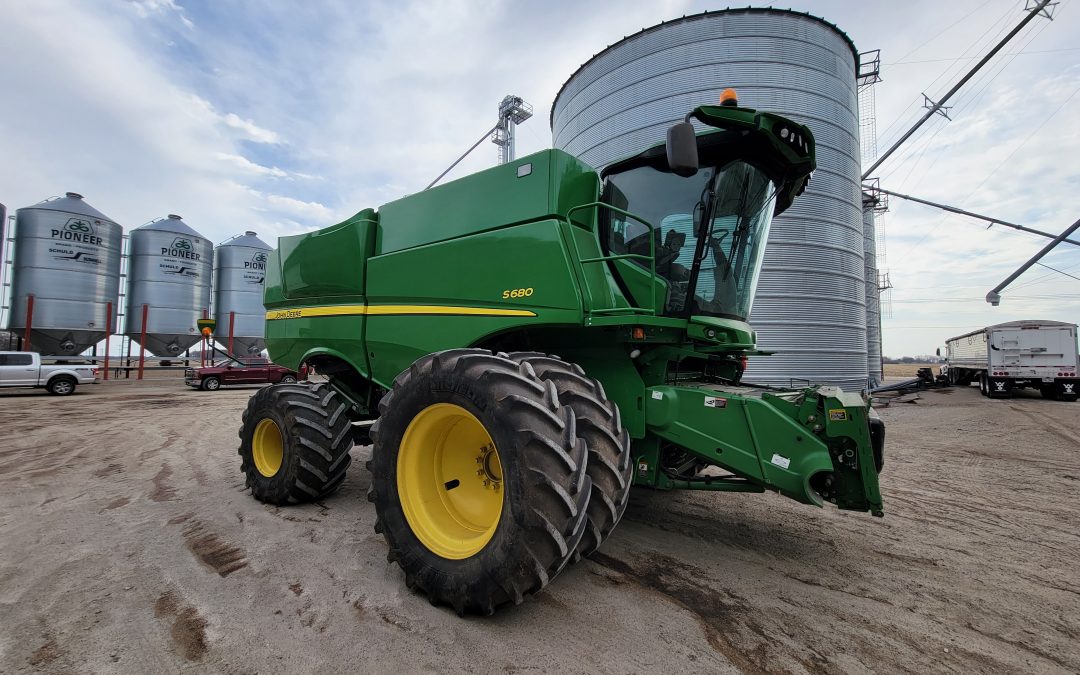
66	273
810	304
239	273
169	270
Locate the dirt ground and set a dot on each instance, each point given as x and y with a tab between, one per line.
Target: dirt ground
128	543
908	370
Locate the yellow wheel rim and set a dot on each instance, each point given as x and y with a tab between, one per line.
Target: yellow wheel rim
450	481
266	447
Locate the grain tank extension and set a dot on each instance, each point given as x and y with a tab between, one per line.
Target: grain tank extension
530	341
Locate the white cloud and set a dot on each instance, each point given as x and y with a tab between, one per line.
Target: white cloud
312	212
149	8
253	131
247	166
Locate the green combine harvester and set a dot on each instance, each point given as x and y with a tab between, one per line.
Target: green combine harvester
533	340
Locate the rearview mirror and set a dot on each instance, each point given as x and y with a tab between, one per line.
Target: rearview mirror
682	155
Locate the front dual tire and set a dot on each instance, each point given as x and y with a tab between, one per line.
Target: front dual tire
479	479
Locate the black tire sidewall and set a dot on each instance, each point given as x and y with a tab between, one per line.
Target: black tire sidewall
205	385
426	390
274	489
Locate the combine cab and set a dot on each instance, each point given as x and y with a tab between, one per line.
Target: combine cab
532	340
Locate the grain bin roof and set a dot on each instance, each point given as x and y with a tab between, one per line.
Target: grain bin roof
694	17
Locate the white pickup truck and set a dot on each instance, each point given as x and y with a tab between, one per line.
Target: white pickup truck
24	369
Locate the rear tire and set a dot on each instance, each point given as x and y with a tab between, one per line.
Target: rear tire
294	443
600	426
518	545
288	379
210	384
984	388
61	385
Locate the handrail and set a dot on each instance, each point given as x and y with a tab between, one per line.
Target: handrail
625	256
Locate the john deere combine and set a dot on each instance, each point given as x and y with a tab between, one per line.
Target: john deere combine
439	316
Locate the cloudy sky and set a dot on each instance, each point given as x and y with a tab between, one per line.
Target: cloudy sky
282	117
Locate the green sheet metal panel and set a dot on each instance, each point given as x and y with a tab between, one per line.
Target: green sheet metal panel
541	185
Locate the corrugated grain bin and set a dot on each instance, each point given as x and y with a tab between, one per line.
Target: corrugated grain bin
811	300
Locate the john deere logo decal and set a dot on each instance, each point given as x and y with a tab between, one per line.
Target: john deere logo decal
258	262
181	248
77	229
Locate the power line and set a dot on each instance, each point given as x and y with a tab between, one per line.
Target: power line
938	34
969	58
976	46
1058	271
1032	13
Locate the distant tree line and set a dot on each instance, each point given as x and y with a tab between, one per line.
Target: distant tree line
912	359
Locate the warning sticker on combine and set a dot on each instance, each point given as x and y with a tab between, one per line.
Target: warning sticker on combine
714	402
658	395
838	415
780	461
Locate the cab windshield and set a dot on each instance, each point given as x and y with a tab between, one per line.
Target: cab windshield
710	233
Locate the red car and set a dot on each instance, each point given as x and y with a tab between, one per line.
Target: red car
248	371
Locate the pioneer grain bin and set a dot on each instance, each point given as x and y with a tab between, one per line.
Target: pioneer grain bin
66	273
239	270
810	303
169	270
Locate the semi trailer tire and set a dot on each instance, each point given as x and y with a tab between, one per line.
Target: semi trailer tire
479	479
600	426
61	385
294	443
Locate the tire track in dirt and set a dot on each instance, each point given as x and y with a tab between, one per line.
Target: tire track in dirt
188	629
718	613
211	550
